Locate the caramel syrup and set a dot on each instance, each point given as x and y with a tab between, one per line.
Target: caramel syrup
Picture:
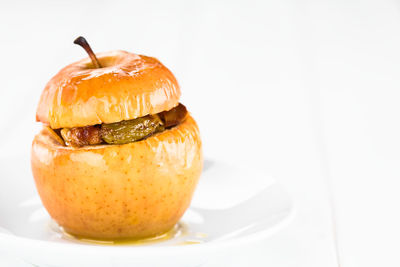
178	235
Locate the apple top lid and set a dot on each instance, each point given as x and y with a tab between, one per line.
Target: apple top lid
127	86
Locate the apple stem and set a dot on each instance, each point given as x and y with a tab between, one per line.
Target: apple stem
85	45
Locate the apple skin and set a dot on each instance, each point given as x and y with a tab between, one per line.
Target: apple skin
111	192
128	86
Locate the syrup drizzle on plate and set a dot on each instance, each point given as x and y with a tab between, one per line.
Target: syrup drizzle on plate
179	235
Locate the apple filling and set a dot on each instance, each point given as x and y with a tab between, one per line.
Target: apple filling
123	132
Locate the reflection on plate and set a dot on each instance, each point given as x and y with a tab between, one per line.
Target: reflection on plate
233	205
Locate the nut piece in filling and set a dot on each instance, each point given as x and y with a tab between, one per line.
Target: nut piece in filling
124	188
81	136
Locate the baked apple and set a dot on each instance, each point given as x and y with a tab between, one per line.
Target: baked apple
118	157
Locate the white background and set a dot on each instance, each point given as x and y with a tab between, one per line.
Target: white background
307	90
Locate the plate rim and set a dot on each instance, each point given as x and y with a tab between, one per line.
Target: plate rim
22	243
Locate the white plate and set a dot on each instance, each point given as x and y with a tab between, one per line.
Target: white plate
233	205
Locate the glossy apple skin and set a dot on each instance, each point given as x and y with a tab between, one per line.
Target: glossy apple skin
107	192
127	87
